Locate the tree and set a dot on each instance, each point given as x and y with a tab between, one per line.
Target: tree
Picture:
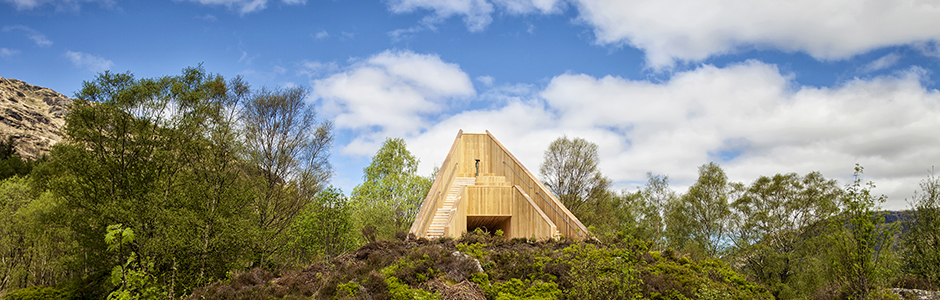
139	152
923	238
33	250
391	194
290	150
570	171
10	162
638	214
324	226
779	222
862	244
132	277
700	219
655	196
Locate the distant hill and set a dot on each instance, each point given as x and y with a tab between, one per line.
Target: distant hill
33	116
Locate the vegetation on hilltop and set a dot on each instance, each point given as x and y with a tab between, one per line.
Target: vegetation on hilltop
490	266
193	186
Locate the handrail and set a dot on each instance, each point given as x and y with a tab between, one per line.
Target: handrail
517	174
453	212
428	213
563	217
529	199
416	228
433	206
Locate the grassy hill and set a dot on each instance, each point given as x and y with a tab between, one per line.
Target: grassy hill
479	266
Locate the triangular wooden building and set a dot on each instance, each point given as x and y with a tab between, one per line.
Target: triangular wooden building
482	185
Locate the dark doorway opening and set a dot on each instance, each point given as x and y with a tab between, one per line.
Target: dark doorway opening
488	224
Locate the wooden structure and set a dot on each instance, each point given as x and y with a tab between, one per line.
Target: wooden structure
482	185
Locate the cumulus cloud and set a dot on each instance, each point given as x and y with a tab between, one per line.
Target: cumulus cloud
87	61
321	34
671	31
749	118
392	93
37	37
246	6
5	52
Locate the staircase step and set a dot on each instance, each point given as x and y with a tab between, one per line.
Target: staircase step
439	222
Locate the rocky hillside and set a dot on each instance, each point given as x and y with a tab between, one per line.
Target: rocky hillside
33	116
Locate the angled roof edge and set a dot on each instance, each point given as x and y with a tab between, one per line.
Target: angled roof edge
446	172
539	183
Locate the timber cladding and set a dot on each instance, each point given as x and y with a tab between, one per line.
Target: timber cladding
482	185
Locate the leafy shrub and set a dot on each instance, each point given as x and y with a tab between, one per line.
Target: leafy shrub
418	269
38	293
598	273
516	288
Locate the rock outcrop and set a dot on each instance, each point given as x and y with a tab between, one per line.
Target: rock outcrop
33	116
916	294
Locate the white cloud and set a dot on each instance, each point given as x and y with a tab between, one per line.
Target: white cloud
520	7
321	34
475	13
316	68
25	4
486	80
748	117
37	37
671	31
882	63
88	61
689	30
390	94
5	52
246	6
929	48
401	34
59	4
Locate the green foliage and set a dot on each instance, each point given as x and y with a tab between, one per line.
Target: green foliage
401	291
699	222
570	171
475	250
651	206
290	151
923	238
862	257
38	293
161	156
34	250
516	289
597	273
517	270
10	162
323	227
639	214
779	227
391	194
349	289
132	278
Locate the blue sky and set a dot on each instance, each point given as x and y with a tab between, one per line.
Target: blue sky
662	86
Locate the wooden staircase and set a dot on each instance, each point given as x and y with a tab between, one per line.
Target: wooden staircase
436	229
